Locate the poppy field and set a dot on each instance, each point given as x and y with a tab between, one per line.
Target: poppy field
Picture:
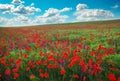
75	52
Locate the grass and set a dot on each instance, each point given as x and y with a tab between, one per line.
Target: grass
88	50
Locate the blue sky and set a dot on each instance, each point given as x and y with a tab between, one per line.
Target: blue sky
36	12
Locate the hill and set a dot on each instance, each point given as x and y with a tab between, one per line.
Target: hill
77	25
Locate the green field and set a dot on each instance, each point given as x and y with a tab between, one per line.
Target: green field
86	51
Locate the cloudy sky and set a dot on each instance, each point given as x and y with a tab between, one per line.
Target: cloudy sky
36	12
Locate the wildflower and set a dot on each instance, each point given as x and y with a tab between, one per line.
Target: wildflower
84	78
90	62
110	49
25	56
99	47
93	53
33	66
40	70
11	59
50	66
6	65
76	76
111	77
7	72
65	55
30	63
28	48
41	75
90	72
70	65
62	63
1	52
18	62
3	60
16	75
118	79
32	76
15	70
45	63
38	62
28	69
50	57
46	75
62	72
0	75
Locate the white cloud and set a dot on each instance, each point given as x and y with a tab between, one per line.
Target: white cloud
32	4
84	14
51	12
21	13
6	8
53	19
19	9
115	6
94	13
81	6
17	2
54	11
15	21
3	20
20	20
25	10
65	9
52	15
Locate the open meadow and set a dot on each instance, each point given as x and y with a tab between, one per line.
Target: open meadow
86	51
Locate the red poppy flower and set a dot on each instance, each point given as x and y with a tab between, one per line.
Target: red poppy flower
99	47
110	49
33	66
25	56
84	78
1	51
41	75
40	70
30	63
28	69
111	77
76	76
16	75
15	70
90	62
6	65
50	66
45	63
0	76
32	76
18	62
7	72
46	75
118	79
11	59
62	72
38	62
3	60
50	57
70	65
65	55
28	48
